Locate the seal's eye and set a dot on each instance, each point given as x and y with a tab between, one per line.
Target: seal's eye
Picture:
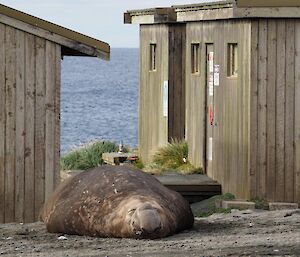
157	229
131	211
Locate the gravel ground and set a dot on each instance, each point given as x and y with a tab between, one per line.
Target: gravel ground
241	233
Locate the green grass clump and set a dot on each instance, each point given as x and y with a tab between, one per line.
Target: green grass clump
87	156
139	164
174	156
213	205
211	212
260	203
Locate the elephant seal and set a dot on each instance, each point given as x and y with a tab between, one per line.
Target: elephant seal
116	201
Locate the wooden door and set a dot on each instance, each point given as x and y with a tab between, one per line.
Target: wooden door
209	106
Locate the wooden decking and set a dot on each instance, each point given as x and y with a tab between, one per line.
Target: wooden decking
194	187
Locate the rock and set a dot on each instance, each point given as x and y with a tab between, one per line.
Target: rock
62	238
282	206
241	205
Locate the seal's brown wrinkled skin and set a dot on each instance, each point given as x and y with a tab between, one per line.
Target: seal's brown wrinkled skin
116	201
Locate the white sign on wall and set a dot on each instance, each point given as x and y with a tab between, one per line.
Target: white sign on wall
211	85
210	149
165	98
211	61
217	75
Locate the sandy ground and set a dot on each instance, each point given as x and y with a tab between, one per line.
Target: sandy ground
239	233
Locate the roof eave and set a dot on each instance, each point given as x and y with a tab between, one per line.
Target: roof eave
205	6
268	3
150	16
219	10
84	44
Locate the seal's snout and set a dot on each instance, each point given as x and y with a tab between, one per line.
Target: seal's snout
146	221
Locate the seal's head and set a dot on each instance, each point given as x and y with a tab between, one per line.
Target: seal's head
146	221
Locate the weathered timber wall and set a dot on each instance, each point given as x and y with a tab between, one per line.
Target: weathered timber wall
231	104
153	125
155	130
29	123
275	106
177	55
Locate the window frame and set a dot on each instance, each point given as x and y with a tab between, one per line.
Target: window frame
195	58
232	60
153	57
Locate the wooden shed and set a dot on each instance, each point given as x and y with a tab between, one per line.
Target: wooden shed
162	80
31	50
242	91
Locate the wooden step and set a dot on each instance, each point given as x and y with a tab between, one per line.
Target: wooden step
194	188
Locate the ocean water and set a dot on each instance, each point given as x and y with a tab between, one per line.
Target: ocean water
99	99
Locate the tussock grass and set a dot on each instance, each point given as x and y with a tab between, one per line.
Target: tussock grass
260	203
211	205
173	156
87	156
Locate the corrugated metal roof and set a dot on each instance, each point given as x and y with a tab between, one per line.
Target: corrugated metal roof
59	30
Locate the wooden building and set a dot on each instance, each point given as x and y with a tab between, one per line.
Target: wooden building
242	90
162	79
30	64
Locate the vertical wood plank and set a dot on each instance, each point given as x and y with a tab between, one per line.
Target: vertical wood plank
140	105
296	113
227	116
187	91
10	63
271	111
221	113
163	76
238	145
217	57
289	110
262	107
57	116
40	114
234	124
245	96
50	119
151	129
2	123
189	111
141	141
198	97
183	78
20	127
172	88
254	109
227	119
216	133
280	110
29	127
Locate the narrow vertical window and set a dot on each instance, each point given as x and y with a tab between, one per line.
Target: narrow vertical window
195	57
152	57
232	62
